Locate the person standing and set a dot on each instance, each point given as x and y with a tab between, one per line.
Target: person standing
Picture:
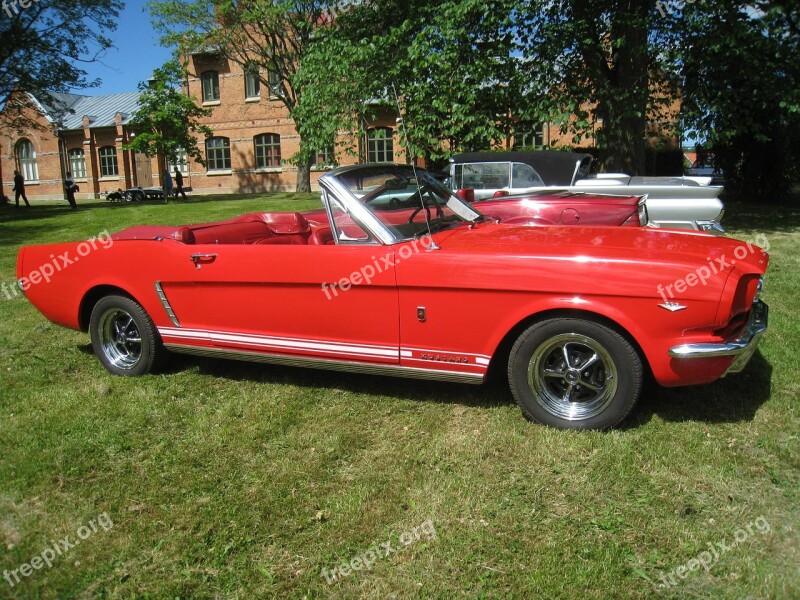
167	185
69	185
19	188
179	184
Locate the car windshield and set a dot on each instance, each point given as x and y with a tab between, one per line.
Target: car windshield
408	201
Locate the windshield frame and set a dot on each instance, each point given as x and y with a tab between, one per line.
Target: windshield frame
339	183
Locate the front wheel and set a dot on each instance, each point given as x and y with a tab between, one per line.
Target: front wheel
574	374
124	337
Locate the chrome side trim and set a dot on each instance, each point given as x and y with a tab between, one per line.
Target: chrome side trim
165	303
742	347
329	364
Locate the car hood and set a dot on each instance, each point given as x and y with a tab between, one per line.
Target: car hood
588	244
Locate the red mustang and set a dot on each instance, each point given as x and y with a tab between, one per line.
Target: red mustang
400	277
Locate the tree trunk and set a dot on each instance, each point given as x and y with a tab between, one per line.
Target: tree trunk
303	172
618	71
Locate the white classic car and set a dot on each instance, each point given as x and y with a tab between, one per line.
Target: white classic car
674	202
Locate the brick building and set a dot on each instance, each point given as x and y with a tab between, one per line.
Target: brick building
80	134
253	138
254	135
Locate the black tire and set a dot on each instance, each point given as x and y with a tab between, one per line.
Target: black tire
124	337
597	395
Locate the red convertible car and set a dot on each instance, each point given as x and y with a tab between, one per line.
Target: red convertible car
434	290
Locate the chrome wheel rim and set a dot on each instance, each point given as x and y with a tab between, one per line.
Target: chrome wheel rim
572	376
120	338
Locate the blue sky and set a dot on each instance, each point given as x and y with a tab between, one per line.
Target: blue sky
135	55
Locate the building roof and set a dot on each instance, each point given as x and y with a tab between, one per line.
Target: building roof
68	110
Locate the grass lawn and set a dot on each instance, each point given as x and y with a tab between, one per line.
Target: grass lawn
219	479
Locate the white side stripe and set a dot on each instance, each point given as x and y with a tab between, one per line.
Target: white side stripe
280	343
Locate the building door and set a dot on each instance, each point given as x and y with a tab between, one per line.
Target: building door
144	170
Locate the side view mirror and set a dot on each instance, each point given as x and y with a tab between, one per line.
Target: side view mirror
466	194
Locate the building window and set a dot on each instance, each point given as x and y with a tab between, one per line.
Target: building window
77	163
252	86
274	83
325	158
210	86
26	158
108	161
380	147
268	150
218	153
528	134
181	163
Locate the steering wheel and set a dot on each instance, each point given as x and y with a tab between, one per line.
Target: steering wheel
394	204
426	205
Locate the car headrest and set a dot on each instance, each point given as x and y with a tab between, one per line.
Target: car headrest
184	235
283	223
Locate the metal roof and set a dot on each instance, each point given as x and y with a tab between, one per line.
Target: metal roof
68	110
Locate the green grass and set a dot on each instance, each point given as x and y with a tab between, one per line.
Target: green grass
234	480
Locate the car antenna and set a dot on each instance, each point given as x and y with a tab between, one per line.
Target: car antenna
432	245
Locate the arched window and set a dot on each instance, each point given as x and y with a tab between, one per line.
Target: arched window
108	161
210	81
218	153
380	147
268	150
26	158
77	163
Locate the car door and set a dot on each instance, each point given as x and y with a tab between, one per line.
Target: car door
314	301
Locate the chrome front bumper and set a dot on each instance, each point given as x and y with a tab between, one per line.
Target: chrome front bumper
742	347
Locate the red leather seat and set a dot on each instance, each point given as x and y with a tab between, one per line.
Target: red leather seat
321	237
284	240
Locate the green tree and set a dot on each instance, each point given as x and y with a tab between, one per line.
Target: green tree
269	37
600	56
447	67
43	46
167	119
741	93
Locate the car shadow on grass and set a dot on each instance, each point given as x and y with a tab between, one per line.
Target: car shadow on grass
733	399
764	218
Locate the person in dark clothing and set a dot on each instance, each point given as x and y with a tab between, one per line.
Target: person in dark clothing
179	184
19	188
71	188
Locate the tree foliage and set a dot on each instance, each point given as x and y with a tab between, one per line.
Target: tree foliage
741	91
43	47
446	66
167	119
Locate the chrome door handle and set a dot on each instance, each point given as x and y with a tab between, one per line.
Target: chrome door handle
202	259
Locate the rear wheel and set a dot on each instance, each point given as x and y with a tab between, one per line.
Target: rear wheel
574	374
124	337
